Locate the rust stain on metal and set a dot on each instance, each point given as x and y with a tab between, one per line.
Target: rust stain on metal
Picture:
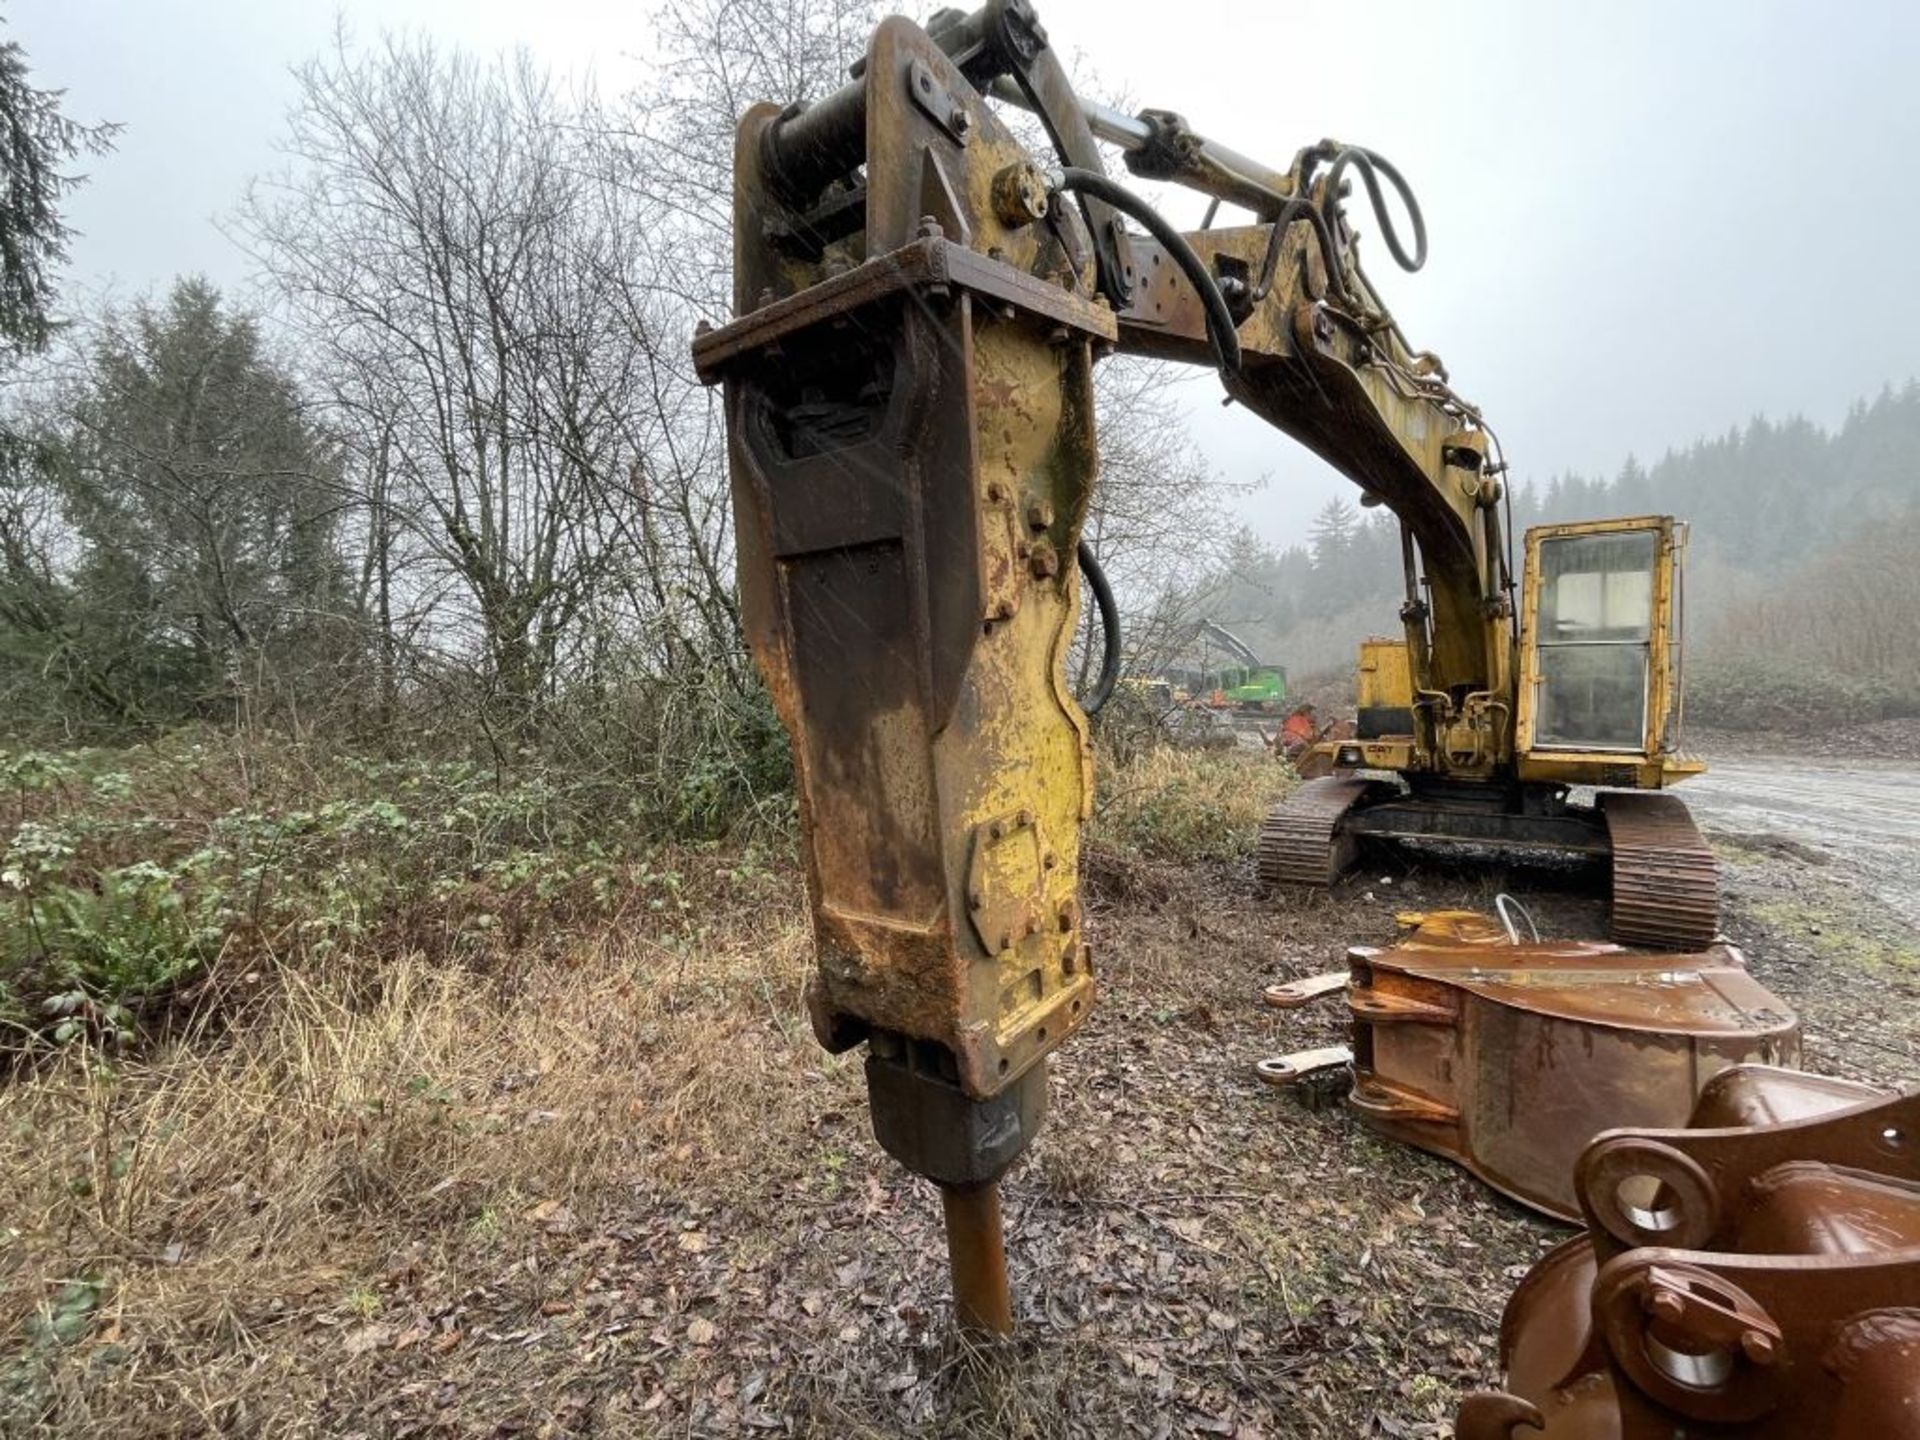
908	386
1757	1279
899	411
1295	994
977	1255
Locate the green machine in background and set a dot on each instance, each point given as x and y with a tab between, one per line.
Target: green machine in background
1255	687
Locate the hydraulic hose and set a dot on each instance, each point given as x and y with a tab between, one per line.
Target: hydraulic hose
1109	628
1367	162
1221	330
1299	209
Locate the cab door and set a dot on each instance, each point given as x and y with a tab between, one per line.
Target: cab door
1597	637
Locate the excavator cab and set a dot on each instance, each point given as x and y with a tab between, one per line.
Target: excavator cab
1599	664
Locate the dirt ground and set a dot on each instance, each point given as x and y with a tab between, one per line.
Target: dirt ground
1192	1253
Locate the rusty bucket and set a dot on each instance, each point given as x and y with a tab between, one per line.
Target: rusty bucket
1509	1056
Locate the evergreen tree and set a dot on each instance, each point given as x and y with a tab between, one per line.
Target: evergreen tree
37	142
203	501
1332	533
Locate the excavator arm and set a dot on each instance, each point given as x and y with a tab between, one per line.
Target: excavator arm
1317	354
1226	639
1321	359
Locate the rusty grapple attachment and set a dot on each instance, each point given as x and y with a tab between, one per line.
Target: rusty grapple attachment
908	390
1755	1275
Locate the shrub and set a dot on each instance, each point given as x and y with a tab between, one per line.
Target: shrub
1187	805
128	876
1753	692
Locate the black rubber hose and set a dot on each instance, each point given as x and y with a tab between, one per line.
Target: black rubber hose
1367	162
1110	630
1299	209
1220	327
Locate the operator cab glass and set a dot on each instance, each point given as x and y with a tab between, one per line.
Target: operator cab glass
1594	636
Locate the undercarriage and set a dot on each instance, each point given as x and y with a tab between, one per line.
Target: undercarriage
1664	883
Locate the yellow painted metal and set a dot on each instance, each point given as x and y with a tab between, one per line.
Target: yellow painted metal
1656	763
1389	754
1357	396
1384	680
1578	767
910	422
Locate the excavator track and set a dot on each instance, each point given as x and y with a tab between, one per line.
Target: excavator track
1301	842
1666	888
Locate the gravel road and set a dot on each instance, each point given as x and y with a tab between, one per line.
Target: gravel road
1864	815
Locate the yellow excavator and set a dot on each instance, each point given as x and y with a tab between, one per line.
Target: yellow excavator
919	303
1583	691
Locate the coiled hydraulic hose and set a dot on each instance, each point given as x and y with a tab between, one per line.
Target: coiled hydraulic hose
1367	162
1221	330
1110	631
1370	166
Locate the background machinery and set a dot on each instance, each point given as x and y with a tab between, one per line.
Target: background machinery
1249	685
919	304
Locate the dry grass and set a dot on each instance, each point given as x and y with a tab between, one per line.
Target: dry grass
1187	805
617	1190
213	1202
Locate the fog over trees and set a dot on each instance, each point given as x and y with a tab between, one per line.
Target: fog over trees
1796	592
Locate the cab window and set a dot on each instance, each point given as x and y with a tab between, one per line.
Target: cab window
1594	636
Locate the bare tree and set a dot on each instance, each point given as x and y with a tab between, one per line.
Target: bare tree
497	284
482	305
714	59
1159	519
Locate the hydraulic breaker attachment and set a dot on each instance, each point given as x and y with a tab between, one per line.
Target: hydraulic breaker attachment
1754	1275
909	408
1508	1057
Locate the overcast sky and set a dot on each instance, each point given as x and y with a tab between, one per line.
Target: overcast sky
1647	220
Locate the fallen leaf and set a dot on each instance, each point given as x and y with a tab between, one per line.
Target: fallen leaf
362	1338
552	1215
